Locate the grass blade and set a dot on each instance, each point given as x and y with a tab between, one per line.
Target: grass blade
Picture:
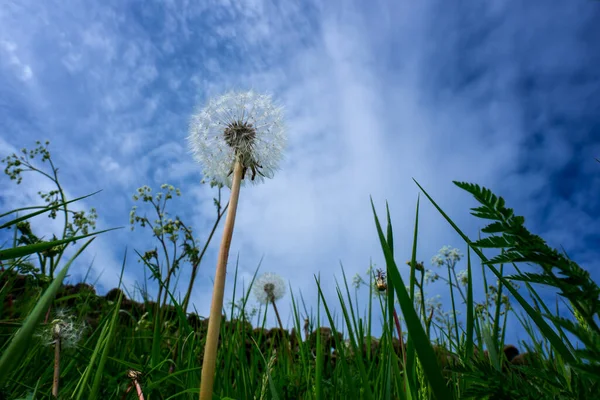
22	251
41	210
422	344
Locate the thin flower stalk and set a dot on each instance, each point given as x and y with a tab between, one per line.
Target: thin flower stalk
56	379
214	322
277	314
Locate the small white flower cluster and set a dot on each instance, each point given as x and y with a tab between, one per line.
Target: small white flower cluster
463	277
431	276
268	288
357	280
243	308
431	303
208	139
446	256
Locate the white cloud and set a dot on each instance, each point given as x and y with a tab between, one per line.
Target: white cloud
21	69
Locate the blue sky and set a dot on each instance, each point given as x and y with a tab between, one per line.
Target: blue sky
503	94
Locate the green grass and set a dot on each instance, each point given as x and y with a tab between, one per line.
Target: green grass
441	355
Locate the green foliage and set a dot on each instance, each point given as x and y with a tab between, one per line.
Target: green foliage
573	282
172	234
77	224
19	343
425	350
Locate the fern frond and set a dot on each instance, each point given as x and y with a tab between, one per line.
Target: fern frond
495	242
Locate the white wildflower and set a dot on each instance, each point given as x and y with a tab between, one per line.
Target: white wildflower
454	255
437	260
357	281
446	256
463	277
434	303
431	276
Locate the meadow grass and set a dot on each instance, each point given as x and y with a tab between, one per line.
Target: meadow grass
67	340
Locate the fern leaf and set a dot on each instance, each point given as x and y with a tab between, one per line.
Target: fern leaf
495	242
496	227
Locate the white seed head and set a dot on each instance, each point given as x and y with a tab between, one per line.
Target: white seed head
244	126
269	287
63	328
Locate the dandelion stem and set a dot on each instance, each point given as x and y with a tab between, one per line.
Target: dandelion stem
283	338
134	376
277	315
138	388
214	321
56	379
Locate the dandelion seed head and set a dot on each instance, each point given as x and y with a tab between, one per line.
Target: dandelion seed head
242	126
63	328
269	287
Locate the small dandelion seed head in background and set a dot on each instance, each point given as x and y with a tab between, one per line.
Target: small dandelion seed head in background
246	126
65	328
269	287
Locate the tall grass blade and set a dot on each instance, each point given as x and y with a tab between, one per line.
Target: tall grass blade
23	251
107	342
42	210
423	346
104	357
